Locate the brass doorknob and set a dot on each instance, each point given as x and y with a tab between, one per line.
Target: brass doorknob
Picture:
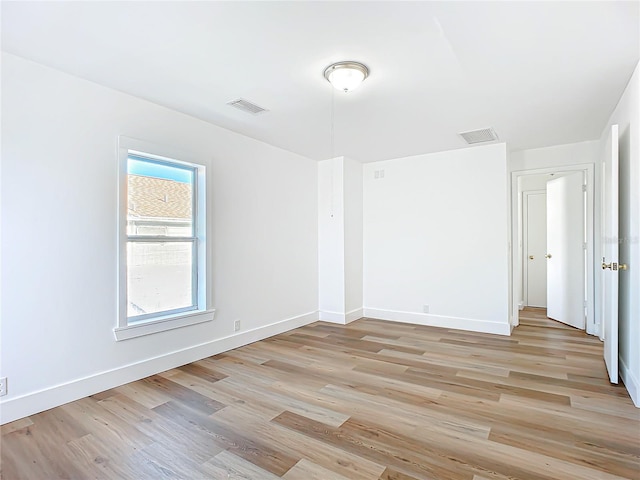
548	255
530	257
614	266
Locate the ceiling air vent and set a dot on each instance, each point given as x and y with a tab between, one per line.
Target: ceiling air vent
479	136
247	106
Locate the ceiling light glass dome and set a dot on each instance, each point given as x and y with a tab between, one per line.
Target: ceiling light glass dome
346	76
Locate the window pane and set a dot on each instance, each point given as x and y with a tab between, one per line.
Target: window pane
160	199
159	277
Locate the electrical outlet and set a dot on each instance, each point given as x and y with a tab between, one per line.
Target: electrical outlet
3	386
236	325
425	308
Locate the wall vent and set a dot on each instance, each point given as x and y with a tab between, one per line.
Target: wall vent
247	106
479	136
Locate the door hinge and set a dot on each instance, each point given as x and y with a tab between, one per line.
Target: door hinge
584	304
584	188
584	246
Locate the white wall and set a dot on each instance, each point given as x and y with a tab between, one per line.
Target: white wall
340	240
555	156
436	232
627	116
331	283
353	257
59	196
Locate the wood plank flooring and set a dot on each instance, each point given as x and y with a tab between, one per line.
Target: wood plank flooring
371	400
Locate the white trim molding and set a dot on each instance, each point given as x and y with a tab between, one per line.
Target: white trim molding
455	323
354	315
31	403
630	381
340	318
163	324
332	317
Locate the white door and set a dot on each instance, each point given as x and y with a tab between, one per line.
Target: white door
565	250
536	240
610	267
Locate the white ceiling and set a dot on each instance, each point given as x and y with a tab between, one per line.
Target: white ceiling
540	73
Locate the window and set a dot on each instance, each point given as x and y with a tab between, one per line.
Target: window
162	241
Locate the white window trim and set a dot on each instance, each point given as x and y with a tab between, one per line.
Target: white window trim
161	323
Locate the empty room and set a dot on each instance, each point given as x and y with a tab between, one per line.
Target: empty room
320	240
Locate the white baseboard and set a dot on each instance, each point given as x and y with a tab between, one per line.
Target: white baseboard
331	317
354	315
340	318
457	323
31	403
631	382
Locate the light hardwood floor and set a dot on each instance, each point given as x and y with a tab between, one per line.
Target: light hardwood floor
371	400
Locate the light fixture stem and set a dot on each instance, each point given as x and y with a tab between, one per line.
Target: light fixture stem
333	100
333	107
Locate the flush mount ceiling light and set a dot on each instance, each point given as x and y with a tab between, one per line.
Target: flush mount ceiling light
346	76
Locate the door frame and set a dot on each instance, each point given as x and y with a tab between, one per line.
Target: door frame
525	241
517	253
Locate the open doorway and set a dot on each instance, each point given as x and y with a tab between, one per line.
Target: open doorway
562	279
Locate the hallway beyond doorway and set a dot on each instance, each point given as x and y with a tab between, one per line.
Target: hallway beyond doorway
537	317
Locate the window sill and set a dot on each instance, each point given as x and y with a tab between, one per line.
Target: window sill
162	324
